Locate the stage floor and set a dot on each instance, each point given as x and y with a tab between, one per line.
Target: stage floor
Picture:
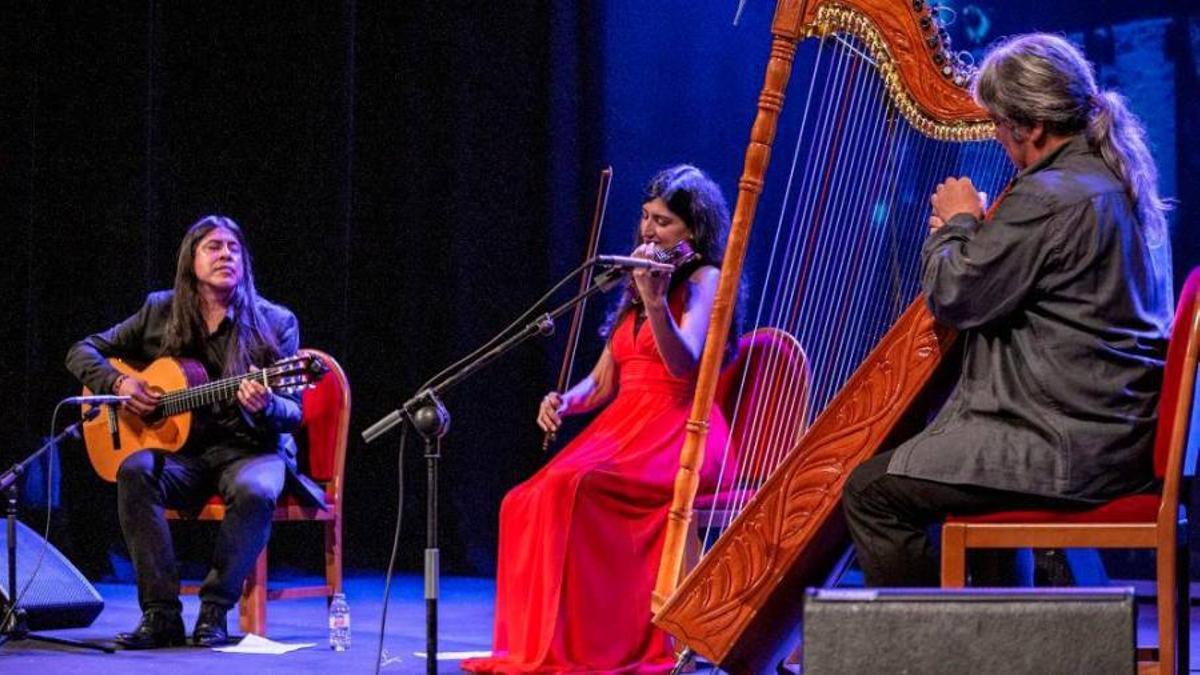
465	626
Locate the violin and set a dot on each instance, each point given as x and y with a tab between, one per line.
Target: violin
678	255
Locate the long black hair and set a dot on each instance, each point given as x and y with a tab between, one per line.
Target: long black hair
254	343
690	194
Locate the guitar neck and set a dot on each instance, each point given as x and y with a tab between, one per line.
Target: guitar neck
183	400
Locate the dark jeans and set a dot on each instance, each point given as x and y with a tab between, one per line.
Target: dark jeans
150	481
889	516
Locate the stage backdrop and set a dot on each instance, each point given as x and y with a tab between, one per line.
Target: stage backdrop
411	175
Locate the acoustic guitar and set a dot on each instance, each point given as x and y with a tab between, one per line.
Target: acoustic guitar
183	385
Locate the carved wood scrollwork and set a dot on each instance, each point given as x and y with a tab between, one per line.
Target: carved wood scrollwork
789	508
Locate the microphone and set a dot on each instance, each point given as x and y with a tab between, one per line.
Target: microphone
114	432
98	399
631	263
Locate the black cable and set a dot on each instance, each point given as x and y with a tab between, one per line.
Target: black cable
16	602
499	336
387	585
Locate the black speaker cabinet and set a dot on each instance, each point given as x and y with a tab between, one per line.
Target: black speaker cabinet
59	597
969	631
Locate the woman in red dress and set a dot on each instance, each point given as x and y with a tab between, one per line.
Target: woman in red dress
580	541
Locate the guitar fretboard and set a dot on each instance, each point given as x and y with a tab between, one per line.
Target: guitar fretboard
183	400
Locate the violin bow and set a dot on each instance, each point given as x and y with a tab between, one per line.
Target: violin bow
585	281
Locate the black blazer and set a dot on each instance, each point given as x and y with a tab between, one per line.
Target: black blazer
139	339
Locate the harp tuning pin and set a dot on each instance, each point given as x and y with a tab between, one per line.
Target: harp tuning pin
926	23
947	71
918	5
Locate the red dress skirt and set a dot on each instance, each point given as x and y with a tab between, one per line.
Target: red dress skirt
580	541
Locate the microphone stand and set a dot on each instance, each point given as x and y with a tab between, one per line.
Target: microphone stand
16	628
429	417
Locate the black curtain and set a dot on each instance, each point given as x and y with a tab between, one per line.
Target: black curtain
410	176
399	168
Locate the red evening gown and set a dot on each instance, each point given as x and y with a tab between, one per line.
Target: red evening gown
580	541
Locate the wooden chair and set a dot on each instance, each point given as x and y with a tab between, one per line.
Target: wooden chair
775	371
1150	521
322	439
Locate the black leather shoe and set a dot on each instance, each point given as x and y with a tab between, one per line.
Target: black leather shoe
210	628
158	628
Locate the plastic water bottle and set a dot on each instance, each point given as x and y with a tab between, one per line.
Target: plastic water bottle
339	623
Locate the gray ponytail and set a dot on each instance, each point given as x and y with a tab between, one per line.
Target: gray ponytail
1121	139
1044	78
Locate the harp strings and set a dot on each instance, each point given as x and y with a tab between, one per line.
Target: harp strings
798	256
847	258
844	258
731	479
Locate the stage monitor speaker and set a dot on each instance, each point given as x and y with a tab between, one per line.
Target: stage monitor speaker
59	597
974	631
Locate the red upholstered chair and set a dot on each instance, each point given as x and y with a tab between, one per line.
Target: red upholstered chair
322	439
774	369
1149	521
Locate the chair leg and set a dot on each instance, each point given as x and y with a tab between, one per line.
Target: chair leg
333	555
1183	605
954	555
1167	615
252	610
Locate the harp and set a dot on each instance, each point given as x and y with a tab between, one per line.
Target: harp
885	114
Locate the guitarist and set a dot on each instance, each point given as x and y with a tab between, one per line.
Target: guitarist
241	449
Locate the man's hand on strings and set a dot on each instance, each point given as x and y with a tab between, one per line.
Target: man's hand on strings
142	401
952	197
253	395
